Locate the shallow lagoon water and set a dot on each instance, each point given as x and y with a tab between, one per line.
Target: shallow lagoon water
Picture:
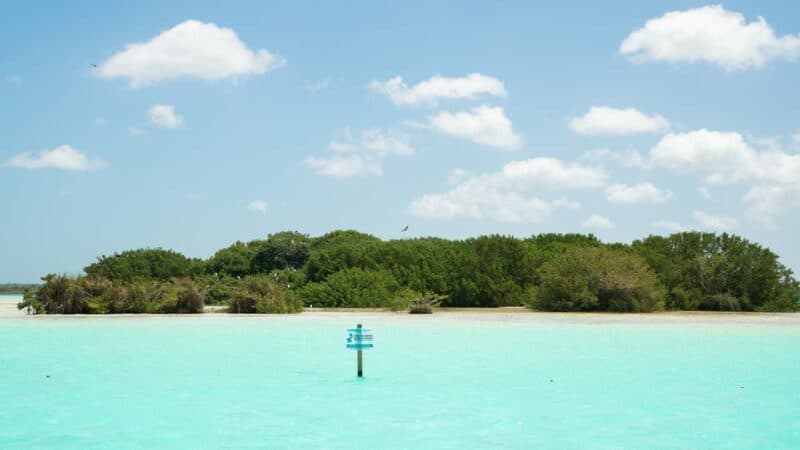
451	380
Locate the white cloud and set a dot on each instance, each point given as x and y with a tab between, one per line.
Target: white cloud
507	195
385	143
344	166
726	156
614	121
771	175
317	85
485	125
709	34
549	173
670	225
63	157
704	192
472	202
638	193
190	49
437	87
375	140
766	200
164	116
715	223
259	206
595	221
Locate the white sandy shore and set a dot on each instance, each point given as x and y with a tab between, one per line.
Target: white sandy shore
8	310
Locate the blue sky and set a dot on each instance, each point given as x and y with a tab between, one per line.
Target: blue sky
205	123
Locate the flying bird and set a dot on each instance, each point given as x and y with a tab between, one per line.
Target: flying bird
404	229
94	66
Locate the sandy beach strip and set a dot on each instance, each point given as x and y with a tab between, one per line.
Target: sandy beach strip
8	310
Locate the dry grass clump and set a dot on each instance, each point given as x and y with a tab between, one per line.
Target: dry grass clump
424	304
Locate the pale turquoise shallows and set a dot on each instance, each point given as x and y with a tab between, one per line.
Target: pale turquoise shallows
454	381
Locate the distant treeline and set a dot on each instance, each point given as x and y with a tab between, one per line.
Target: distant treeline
548	272
15	288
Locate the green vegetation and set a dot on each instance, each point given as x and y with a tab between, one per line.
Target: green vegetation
92	295
598	279
549	272
145	264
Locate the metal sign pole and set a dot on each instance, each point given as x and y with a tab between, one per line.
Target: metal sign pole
360	360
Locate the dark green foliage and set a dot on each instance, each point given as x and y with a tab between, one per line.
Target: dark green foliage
284	250
236	260
345	268
340	250
699	270
598	279
353	287
491	271
150	263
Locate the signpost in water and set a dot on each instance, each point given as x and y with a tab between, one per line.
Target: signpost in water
359	338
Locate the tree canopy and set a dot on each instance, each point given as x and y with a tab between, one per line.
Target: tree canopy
346	268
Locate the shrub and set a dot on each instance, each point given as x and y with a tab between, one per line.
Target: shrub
598	279
92	295
263	295
721	302
424	304
149	263
352	288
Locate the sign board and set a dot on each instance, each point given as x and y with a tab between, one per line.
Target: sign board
359	339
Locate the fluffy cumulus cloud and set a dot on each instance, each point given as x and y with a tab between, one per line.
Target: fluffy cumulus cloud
485	125
614	121
164	116
191	49
637	193
710	34
510	195
712	222
726	157
435	88
343	166
63	157
600	222
259	206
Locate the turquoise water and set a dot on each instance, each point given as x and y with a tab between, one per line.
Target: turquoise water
455	381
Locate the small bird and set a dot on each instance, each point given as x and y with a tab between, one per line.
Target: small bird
404	229
94	66
551	380
48	375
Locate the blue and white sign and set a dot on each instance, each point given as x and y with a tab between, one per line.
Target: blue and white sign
359	339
